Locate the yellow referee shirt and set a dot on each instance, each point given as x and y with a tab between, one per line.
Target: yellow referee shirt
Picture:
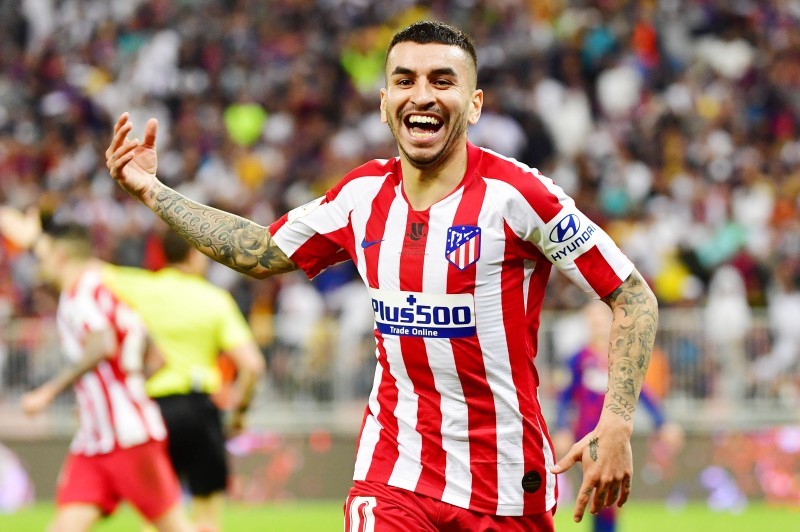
189	319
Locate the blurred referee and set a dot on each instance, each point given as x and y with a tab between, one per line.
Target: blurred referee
194	322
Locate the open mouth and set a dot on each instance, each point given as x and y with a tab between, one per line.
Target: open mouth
422	126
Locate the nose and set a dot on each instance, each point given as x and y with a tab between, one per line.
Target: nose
422	95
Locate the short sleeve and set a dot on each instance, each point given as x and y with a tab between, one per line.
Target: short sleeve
540	212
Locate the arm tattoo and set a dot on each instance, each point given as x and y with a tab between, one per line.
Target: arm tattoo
594	444
621	406
229	239
632	336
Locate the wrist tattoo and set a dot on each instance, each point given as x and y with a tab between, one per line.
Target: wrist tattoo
619	411
621	406
624	403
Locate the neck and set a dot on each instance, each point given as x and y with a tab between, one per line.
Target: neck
182	267
425	186
72	270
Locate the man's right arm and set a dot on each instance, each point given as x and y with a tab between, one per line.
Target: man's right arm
241	244
229	239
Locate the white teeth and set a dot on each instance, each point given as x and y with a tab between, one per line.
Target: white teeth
420	119
421	134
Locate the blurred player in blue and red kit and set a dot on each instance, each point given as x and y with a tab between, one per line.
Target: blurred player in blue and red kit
580	402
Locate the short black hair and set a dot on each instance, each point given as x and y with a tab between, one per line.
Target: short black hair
176	248
434	32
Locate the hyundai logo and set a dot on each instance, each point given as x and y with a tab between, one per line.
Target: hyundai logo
565	229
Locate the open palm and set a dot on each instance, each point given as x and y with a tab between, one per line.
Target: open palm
142	167
133	164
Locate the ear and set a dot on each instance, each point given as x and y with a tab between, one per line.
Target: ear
475	106
383	105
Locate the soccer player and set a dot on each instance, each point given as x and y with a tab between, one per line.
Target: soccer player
193	322
455	244
580	403
119	452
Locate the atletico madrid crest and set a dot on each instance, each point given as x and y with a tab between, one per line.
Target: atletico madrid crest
463	245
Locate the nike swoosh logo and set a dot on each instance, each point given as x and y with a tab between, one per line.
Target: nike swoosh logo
367	243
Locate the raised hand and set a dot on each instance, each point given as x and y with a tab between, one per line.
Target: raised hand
231	240
21	228
133	164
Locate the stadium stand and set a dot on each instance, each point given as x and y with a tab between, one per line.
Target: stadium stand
673	124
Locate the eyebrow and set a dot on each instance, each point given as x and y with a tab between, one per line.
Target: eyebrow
443	71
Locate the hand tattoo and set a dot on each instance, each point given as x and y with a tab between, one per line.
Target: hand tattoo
593	446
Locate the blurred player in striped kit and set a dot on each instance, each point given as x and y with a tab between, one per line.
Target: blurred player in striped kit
119	452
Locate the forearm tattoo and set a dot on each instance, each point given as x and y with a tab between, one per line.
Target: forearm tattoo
632	337
229	239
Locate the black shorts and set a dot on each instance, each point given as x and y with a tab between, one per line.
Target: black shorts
196	442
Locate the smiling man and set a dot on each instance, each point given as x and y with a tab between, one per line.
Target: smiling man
429	101
455	244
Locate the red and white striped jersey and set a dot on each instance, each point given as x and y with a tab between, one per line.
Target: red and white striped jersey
113	407
457	291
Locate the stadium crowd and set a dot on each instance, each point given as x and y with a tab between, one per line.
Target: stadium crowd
673	123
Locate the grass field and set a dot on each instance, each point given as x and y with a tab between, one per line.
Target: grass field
327	516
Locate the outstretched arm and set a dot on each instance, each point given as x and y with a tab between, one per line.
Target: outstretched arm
40	398
229	239
606	451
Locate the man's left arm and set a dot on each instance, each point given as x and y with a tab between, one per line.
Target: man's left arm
250	367
606	451
152	360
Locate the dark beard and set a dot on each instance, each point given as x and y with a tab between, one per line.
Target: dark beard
435	159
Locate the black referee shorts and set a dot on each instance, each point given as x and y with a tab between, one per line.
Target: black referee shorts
196	442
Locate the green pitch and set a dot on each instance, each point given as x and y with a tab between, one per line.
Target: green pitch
327	516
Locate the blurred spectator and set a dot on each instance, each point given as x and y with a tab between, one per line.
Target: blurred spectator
299	310
727	323
783	310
